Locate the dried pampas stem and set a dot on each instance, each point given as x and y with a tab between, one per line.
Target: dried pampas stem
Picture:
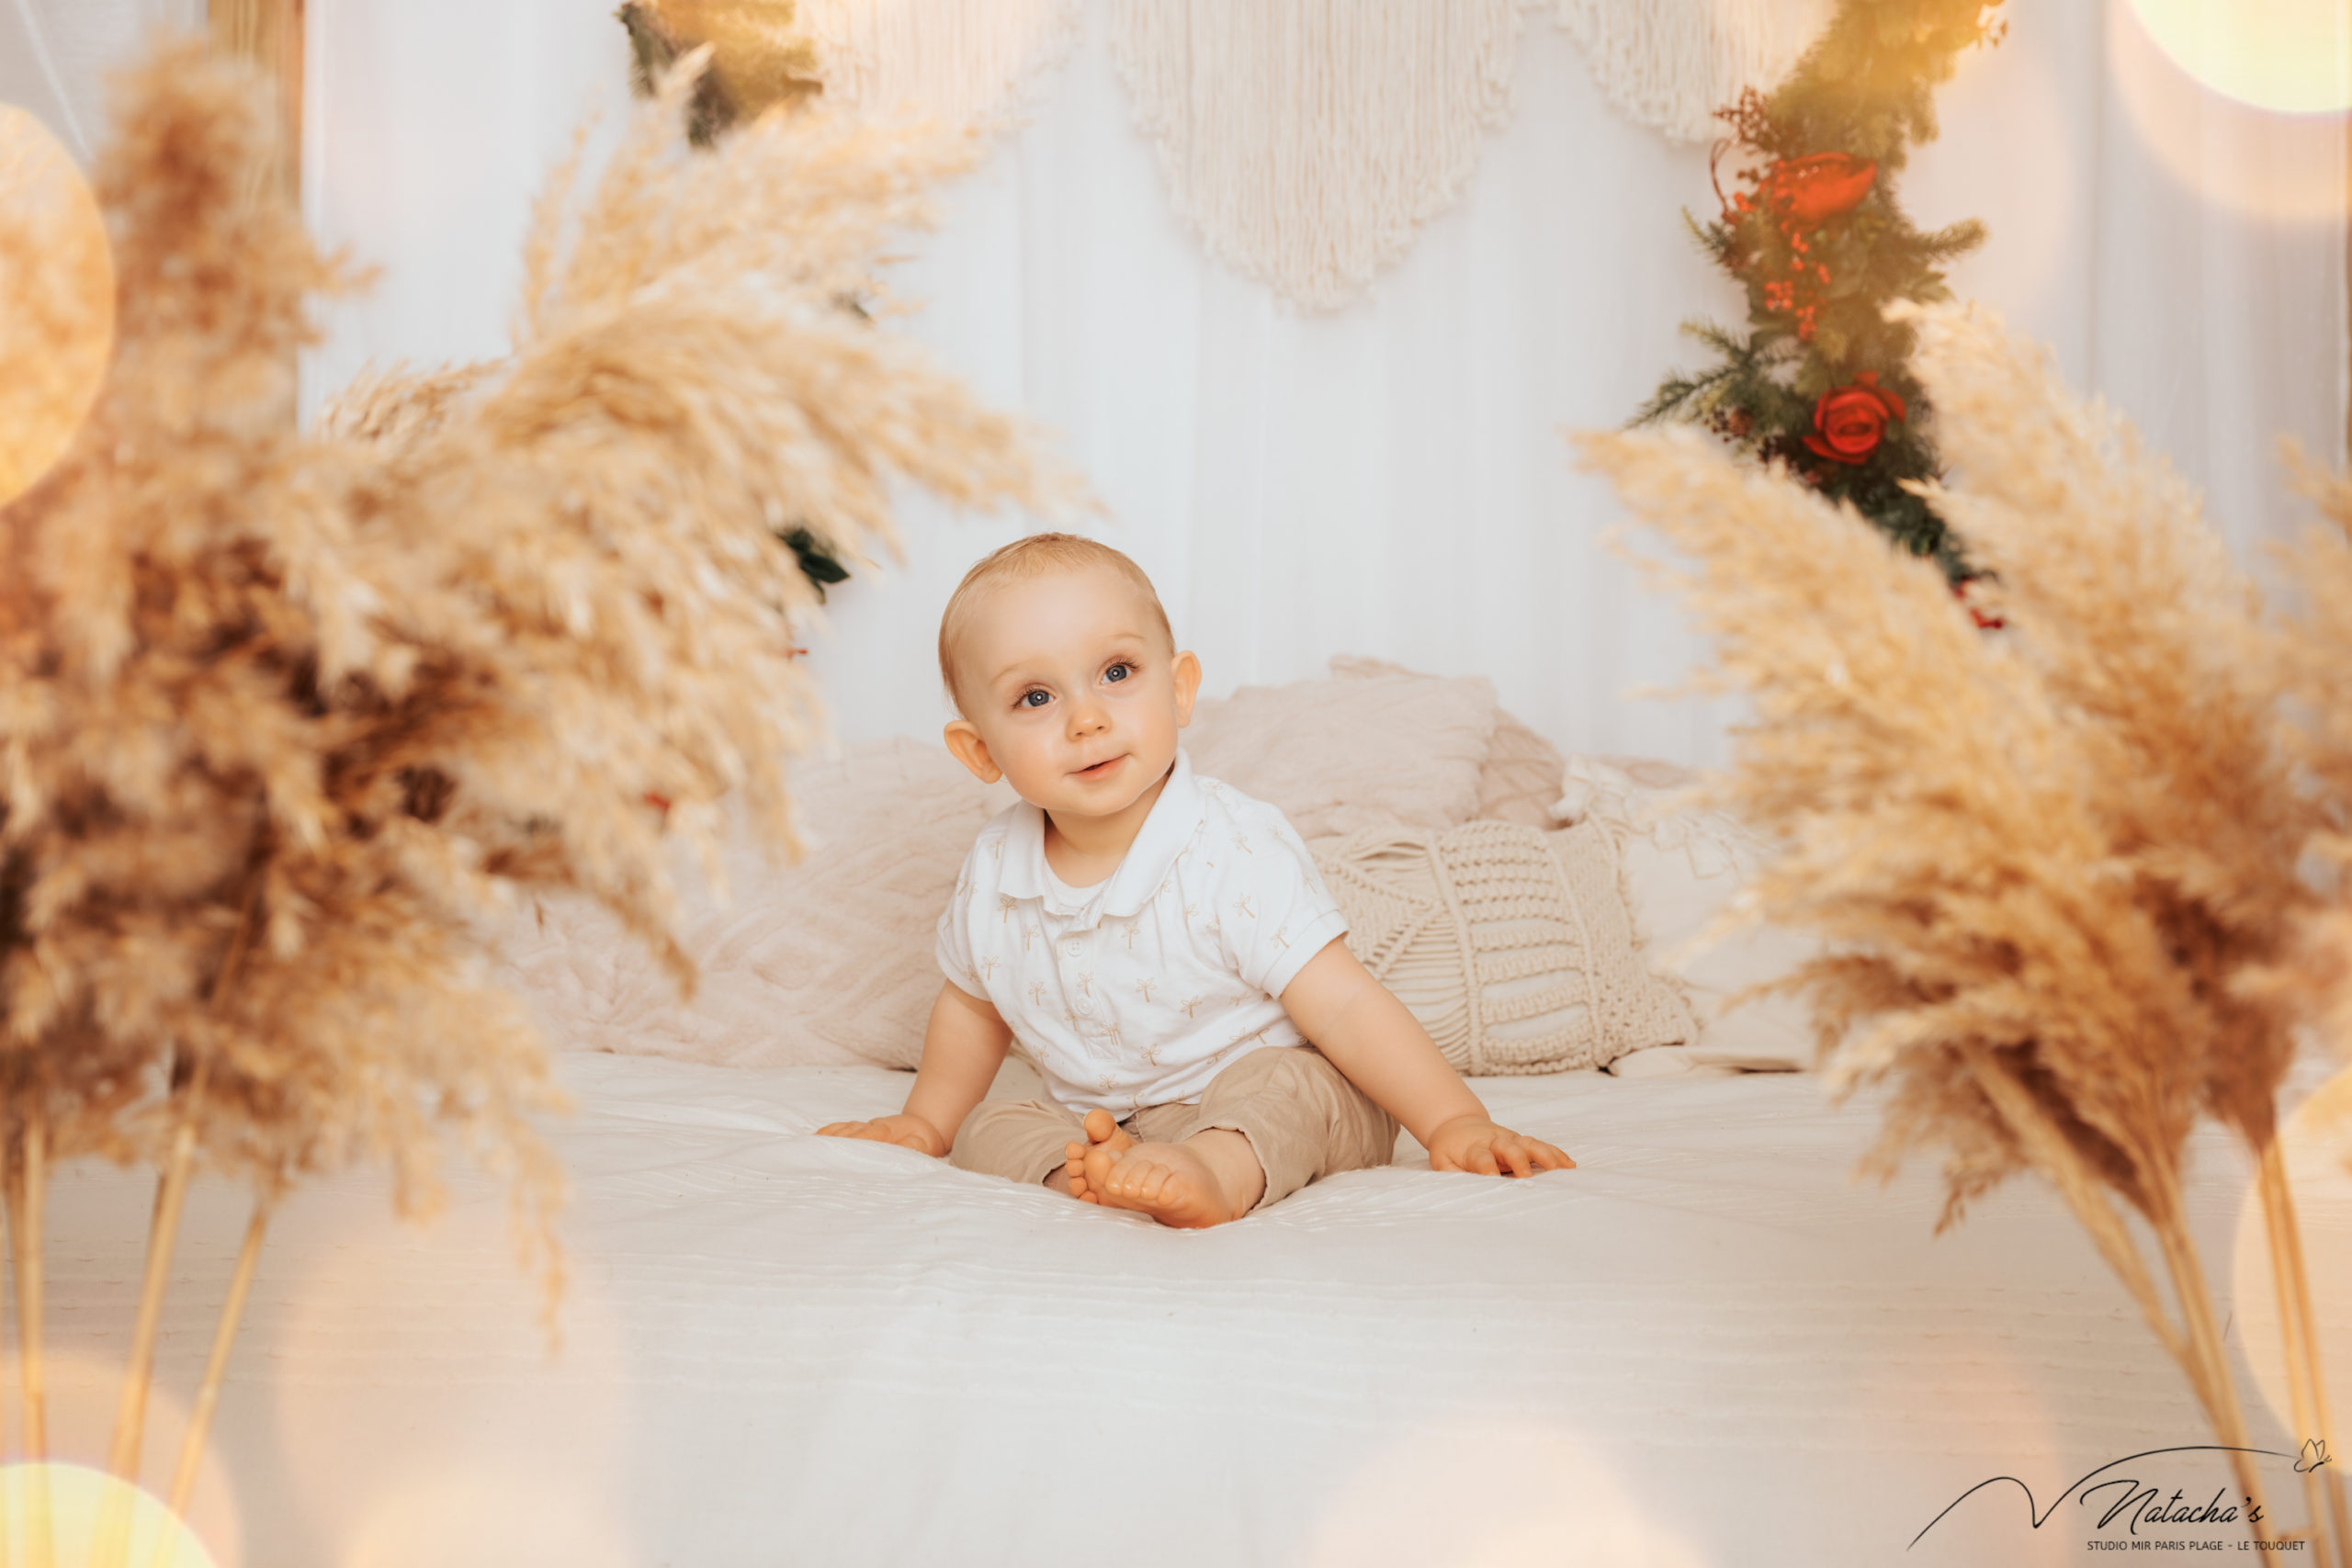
2298	1343
26	1176
216	1368
2047	1147
2193	1344
2209	1368
112	1535
7	1161
163	1237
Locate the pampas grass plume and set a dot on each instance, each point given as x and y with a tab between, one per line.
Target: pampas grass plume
289	722
2058	871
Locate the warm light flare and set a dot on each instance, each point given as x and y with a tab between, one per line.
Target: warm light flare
479	1444
1489	1491
57	277
83	1386
76	1498
2292	56
2195	110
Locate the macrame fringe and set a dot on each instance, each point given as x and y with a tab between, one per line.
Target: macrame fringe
1671	63
1307	141
962	62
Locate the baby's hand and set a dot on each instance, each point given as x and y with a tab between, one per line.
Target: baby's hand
908	1131
1474	1144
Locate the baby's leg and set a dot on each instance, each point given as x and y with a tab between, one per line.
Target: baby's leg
1024	1140
1177	1174
1206	1179
1300	1116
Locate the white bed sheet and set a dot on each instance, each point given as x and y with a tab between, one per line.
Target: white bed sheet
1705	1345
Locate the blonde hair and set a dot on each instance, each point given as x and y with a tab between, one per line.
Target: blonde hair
1023	560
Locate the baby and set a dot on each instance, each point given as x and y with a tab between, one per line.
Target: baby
1161	943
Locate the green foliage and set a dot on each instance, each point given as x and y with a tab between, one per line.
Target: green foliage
816	564
1816	237
653	50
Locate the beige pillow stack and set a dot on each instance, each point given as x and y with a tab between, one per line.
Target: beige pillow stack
1685	866
1426	805
827	963
1511	945
1375	750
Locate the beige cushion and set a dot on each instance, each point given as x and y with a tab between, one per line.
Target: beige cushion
827	962
1341	755
1522	774
1684	867
1511	945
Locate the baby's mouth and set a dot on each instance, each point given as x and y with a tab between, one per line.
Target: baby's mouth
1099	770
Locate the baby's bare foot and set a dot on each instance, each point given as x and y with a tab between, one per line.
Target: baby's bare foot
1102	1132
1169	1181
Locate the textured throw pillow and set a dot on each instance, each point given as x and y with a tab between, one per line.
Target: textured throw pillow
1524	772
1684	867
1339	756
1511	945
829	961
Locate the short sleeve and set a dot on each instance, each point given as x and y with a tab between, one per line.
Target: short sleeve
954	944
1276	913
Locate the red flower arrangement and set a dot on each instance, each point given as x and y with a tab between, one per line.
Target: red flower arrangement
1809	228
1850	422
1820	187
1797	195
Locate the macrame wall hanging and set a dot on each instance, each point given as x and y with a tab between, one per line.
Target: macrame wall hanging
1308	140
1671	65
964	62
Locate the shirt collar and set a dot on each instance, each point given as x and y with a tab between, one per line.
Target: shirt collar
1149	859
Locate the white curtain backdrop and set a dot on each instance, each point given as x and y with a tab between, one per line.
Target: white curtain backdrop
1389	479
54	56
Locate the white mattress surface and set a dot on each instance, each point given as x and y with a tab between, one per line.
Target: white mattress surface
1707	1346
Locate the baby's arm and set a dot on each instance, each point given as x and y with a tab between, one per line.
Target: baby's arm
1372	1037
962	1048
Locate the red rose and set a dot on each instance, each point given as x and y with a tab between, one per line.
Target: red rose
1849	422
1822	186
1983	607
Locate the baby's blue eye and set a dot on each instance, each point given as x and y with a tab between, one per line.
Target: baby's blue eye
1118	672
1035	699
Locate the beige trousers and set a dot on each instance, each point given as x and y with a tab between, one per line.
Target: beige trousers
1302	1116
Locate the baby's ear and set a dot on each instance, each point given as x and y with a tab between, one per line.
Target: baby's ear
1188	686
963	738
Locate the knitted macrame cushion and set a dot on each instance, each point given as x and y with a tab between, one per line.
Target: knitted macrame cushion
1510	945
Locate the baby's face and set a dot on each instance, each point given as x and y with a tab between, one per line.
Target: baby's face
1072	692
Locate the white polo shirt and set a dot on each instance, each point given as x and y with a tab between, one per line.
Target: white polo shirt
1138	990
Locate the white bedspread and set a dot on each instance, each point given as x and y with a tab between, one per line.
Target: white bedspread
1706	1345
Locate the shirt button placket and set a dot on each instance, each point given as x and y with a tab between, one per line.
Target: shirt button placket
1085	1008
